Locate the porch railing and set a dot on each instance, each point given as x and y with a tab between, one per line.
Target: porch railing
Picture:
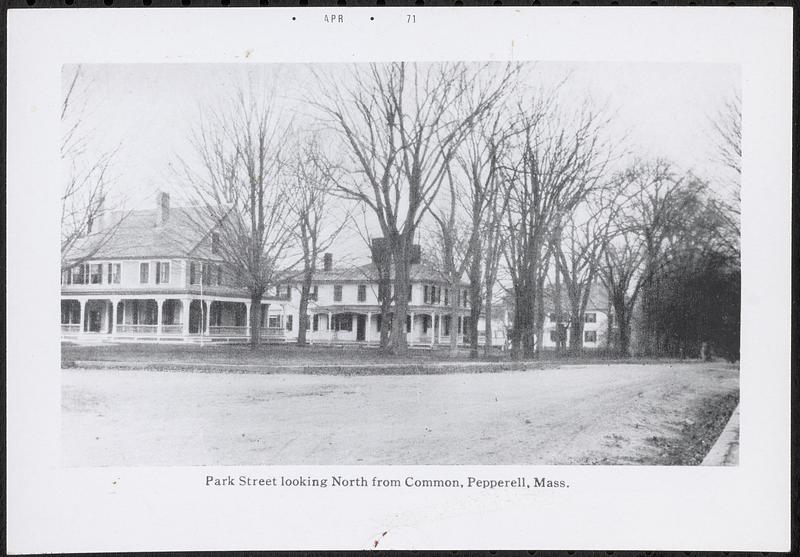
172	329
126	329
70	327
271	333
228	330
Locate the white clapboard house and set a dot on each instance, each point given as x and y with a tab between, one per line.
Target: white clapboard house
160	278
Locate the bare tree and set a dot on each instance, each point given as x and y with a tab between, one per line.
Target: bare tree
241	190
558	159
578	251
88	217
401	124
726	136
451	245
313	175
643	241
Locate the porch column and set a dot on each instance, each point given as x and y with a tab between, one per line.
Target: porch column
439	332
185	304
247	317
369	326
330	327
433	328
83	315
410	334
113	316
159	319
206	324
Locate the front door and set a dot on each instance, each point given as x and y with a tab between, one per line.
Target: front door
94	321
360	327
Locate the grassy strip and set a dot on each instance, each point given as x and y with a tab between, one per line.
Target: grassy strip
291	355
698	433
428	368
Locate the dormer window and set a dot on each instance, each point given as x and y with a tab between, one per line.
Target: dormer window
215	242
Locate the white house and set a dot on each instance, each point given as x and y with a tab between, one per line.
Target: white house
160	278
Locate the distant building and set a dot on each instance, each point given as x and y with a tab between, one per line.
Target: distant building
596	325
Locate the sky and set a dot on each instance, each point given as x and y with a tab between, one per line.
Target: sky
149	110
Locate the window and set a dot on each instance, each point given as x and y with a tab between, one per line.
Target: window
590	318
337	293
162	272
553	336
313	294
144	273
114	272
447	296
426	294
219	275
77	275
424	323
288	291
362	292
274	322
193	273
96	273
343	322
464	294
315	323
408	323
289	322
410	292
589	336
214	242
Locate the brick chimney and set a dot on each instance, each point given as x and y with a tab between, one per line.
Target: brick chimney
162	199
327	262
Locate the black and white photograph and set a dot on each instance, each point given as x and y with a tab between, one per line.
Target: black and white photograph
498	263
355	281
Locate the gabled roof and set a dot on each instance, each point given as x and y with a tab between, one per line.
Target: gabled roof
140	234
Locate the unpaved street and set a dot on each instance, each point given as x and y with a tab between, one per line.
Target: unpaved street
570	415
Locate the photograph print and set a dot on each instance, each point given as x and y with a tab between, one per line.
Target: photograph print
403	263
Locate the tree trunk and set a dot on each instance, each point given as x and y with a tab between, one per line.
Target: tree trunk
487	324
454	295
540	313
255	317
401	251
575	332
305	289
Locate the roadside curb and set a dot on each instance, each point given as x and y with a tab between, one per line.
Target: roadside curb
725	451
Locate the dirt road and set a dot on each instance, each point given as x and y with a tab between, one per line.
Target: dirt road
616	414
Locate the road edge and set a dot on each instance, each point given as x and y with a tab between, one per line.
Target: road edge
725	452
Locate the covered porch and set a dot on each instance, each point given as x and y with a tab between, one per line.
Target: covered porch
146	318
345	325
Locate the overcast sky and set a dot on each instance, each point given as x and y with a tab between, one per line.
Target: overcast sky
148	110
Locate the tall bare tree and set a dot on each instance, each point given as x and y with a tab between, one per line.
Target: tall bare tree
726	137
313	175
643	241
558	159
240	187
90	216
579	252
401	124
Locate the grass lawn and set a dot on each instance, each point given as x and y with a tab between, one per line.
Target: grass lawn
289	358
666	414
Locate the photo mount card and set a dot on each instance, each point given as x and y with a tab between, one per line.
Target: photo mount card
274	326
